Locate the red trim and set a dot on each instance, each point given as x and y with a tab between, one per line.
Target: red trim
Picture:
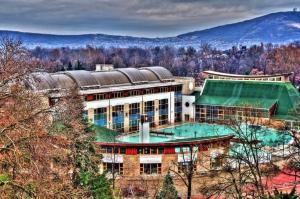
89	97
169	150
168	144
131	151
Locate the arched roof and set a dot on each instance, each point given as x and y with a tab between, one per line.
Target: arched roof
111	78
149	75
90	79
134	75
162	73
83	78
63	81
43	81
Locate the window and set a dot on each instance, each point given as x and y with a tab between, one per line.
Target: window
100	117
117	167
100	96
134	117
163	111
117	94
216	162
117	150
149	110
150	168
118	118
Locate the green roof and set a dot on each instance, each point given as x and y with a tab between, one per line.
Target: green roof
105	135
258	94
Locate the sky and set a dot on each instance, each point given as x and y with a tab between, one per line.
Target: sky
144	18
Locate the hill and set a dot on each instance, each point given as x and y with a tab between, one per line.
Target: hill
278	28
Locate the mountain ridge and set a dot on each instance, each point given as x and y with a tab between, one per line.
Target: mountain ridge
277	28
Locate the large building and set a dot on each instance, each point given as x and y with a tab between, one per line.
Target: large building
115	99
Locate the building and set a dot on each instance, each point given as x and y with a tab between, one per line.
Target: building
132	160
115	99
133	147
268	99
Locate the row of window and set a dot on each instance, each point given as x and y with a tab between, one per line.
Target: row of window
207	113
155	168
129	93
244	78
160	150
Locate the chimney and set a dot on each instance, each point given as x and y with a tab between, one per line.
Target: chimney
144	132
104	67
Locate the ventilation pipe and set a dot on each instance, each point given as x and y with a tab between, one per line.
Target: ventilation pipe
144	129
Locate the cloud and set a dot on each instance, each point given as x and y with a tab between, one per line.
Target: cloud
130	17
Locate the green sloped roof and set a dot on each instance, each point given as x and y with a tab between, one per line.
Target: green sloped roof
105	135
259	94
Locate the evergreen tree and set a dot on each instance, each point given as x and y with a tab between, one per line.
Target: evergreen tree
70	67
281	195
78	65
168	189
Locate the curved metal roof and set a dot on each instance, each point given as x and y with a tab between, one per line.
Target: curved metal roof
134	75
83	78
162	73
88	79
63	81
111	78
149	75
43	81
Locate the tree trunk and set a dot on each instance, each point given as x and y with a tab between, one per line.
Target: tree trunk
189	191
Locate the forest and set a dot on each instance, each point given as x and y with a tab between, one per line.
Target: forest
189	61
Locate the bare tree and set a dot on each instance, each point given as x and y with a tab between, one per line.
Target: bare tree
185	168
247	165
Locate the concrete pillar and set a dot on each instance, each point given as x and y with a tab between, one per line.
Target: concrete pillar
126	118
142	111
156	112
109	117
91	115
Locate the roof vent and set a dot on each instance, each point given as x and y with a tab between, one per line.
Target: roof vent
104	67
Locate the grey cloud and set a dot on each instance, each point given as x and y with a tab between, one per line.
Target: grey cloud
132	17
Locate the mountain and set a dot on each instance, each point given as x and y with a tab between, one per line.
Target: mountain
278	28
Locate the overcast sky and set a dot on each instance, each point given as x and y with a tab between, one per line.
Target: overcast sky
149	18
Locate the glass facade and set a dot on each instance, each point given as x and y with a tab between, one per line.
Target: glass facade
178	104
118	118
149	110
134	117
218	113
163	111
100	117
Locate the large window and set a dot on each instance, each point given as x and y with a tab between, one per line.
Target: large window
134	117
216	162
152	150
149	110
178	104
100	117
116	150
117	167
118	118
163	111
150	168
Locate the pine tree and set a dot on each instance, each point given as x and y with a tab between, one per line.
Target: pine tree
70	67
168	189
